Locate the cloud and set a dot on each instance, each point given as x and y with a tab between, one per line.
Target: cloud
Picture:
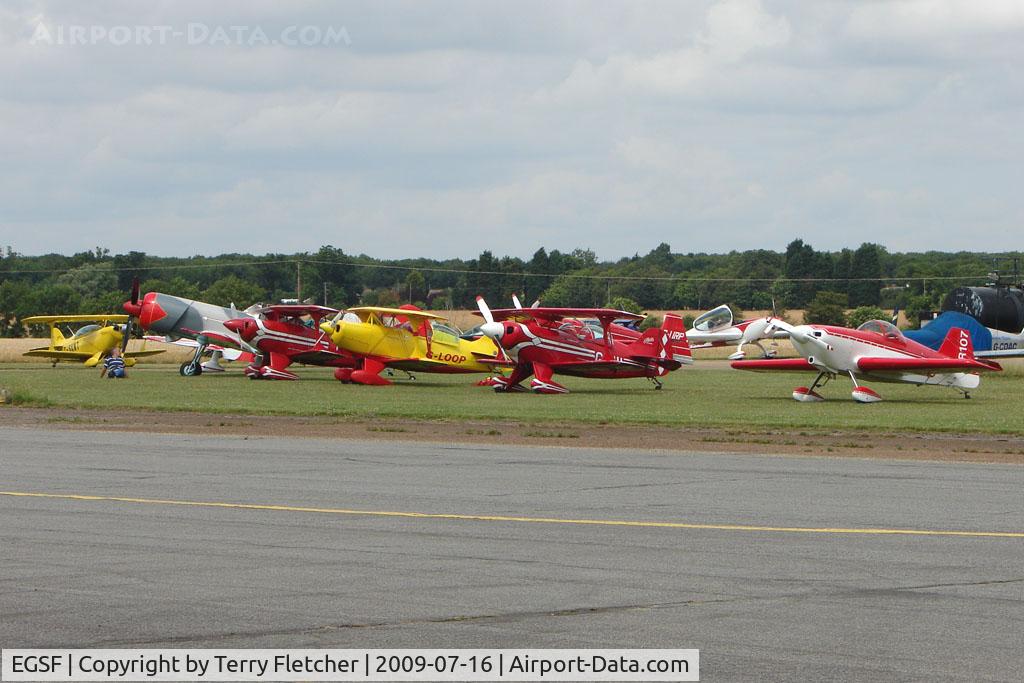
442	130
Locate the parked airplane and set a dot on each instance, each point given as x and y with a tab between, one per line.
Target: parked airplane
715	328
89	344
283	337
405	339
988	342
188	322
876	350
547	341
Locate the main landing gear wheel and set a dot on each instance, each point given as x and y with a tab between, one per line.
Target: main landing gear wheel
190	369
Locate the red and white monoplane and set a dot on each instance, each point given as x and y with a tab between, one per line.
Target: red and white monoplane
878	351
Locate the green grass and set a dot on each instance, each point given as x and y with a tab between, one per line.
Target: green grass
726	398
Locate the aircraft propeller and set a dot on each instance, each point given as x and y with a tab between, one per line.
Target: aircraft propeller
490	328
132	312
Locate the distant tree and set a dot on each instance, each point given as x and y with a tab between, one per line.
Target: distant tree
234	290
55	299
827	308
415	286
862	314
91	279
622	303
341	276
649	322
15	303
578	292
865	271
916	305
127	266
176	286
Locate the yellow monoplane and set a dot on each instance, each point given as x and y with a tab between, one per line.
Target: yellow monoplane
89	344
406	339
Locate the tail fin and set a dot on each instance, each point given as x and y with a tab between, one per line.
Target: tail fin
56	337
670	339
957	344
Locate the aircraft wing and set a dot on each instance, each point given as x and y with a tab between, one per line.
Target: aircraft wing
1001	353
605	315
322	357
924	364
414	317
492	360
54	319
228	352
697	337
775	365
60	355
298	310
142	354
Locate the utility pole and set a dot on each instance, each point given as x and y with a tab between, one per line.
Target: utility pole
298	281
325	292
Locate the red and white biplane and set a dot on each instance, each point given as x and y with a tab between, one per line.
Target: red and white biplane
283	337
876	350
544	341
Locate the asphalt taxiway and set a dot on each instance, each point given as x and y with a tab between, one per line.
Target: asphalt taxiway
774	567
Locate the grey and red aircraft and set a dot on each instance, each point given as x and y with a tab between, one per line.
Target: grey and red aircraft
191	323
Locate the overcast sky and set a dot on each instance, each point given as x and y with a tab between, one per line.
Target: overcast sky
441	129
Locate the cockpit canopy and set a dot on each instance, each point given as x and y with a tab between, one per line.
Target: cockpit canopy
86	329
715	319
886	329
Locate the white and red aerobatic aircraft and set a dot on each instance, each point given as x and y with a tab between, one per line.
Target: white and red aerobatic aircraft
876	350
715	328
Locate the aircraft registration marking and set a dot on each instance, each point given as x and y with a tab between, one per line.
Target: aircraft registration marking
517	519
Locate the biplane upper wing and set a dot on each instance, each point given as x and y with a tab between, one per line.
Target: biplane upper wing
414	317
605	315
54	319
297	310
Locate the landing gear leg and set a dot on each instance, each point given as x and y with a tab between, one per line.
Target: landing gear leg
656	382
863	394
194	367
808	394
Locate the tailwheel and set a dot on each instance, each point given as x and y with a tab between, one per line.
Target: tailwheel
656	382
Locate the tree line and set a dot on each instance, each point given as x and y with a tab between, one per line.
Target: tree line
98	282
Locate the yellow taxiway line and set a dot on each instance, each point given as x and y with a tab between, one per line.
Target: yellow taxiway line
520	520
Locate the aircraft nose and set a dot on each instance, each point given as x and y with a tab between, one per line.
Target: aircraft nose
332	329
493	330
239	326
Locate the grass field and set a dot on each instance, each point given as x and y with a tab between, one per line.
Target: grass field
696	397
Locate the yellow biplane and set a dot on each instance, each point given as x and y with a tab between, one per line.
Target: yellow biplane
89	344
409	340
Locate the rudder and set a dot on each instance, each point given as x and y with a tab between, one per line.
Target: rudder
957	344
673	339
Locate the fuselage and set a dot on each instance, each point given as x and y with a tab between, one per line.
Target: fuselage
435	350
175	317
573	348
309	345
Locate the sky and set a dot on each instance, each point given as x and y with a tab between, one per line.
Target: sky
440	129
